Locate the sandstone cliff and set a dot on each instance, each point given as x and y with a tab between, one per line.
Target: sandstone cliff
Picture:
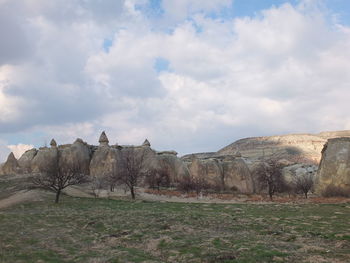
96	161
334	168
225	173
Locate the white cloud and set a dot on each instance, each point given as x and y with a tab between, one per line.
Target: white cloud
19	149
284	70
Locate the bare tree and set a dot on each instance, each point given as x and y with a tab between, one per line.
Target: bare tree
111	177
59	175
269	175
158	177
185	184
200	184
131	168
97	184
304	183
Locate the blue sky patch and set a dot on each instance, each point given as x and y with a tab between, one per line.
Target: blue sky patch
107	43
161	64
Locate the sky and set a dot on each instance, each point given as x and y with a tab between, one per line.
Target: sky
189	75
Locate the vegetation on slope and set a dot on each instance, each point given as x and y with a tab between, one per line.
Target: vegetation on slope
101	230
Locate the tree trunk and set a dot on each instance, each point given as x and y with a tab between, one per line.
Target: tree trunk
271	191
132	192
58	193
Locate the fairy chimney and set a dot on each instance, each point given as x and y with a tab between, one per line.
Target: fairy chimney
103	139
146	143
53	143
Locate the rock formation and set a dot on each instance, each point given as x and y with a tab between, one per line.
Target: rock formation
231	168
79	153
11	166
146	143
291	172
175	167
294	147
103	161
225	173
53	143
103	139
44	158
334	170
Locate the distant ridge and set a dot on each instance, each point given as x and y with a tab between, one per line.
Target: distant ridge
303	147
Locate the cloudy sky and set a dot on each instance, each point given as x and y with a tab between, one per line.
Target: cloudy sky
189	75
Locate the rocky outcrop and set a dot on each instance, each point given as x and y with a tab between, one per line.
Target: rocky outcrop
230	168
334	169
44	159
291	172
77	154
11	166
228	173
103	161
175	169
25	161
53	143
146	143
103	139
296	148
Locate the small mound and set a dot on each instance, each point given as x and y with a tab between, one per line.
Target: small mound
21	197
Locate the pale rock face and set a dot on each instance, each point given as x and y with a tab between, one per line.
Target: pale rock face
290	172
103	161
208	170
11	166
76	154
45	157
296	148
229	173
175	168
25	161
334	168
237	175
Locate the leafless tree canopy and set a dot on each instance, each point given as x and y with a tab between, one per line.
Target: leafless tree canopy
158	177
58	176
269	175
131	168
304	183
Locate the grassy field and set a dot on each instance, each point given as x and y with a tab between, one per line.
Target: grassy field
101	230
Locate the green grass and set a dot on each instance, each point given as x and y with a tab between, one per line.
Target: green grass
100	230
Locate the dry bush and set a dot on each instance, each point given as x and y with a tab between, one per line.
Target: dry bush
335	191
304	183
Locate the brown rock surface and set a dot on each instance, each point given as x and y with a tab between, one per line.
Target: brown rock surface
76	154
103	160
44	158
176	169
11	166
223	173
25	161
103	139
334	169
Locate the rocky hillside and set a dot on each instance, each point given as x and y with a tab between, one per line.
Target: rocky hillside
304	148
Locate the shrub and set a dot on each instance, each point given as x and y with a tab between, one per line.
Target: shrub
335	191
